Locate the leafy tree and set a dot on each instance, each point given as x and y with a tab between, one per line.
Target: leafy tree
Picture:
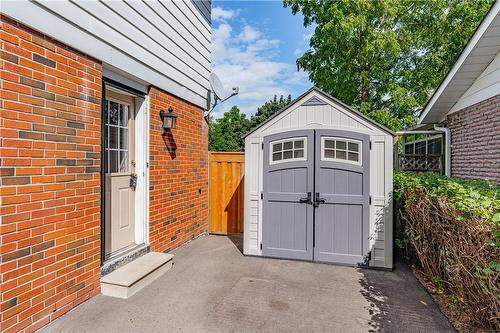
269	109
385	57
226	133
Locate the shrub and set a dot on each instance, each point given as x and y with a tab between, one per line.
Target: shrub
452	227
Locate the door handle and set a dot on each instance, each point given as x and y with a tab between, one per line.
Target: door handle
133	181
318	200
306	200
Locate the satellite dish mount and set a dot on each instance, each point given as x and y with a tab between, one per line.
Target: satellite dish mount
218	91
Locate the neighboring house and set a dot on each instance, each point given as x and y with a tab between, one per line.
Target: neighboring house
89	178
468	103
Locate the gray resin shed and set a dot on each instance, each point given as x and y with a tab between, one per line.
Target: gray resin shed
318	183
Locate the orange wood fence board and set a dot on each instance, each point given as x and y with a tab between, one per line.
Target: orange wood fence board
227	170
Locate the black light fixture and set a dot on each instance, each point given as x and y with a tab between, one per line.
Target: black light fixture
169	119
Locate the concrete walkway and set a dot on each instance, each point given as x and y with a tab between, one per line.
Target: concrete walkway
214	288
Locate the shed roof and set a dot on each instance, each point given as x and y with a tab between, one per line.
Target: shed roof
330	98
481	49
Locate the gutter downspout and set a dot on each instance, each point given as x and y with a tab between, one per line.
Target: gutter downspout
447	149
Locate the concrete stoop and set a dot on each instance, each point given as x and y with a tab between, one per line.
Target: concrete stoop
129	279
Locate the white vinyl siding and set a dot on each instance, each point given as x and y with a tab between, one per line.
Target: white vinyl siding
163	43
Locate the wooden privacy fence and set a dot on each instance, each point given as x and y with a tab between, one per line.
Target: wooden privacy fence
226	192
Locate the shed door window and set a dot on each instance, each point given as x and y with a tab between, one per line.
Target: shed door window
293	149
341	150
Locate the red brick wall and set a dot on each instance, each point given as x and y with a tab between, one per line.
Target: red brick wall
475	140
50	185
178	204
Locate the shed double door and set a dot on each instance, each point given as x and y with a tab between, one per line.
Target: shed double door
315	196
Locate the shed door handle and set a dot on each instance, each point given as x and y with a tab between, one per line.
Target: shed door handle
306	200
318	200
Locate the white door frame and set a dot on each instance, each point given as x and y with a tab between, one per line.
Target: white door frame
142	170
141	212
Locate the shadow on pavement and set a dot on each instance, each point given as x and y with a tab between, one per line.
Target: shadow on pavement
395	305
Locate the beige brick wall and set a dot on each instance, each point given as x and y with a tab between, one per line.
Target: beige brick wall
475	140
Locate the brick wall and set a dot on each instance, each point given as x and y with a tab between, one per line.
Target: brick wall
475	140
50	185
178	204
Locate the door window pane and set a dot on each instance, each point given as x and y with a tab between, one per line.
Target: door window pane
117	141
288	150
353	157
113	137
340	145
113	161
340	155
113	113
329	153
123	115
341	149
329	144
123	167
123	138
353	146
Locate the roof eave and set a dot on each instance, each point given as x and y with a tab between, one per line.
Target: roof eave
474	39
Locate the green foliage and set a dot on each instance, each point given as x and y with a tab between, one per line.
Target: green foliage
452	227
226	133
472	198
385	57
269	109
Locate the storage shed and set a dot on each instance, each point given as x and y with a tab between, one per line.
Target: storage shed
318	185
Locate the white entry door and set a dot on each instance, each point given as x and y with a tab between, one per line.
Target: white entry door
119	172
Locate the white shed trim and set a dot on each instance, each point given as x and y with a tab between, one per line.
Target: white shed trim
319	111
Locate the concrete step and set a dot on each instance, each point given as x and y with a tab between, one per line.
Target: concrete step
129	279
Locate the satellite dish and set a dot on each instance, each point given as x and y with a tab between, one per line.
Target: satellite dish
217	88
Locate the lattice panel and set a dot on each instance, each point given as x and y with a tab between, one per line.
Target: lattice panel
410	162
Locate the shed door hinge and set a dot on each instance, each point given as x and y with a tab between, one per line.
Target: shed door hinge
261	245
262	145
261	195
370	145
370	200
370	255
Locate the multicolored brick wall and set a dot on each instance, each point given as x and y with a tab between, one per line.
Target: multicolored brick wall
50	130
178	174
50	126
475	140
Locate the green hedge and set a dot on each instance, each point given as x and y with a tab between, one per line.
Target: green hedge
472	198
452	228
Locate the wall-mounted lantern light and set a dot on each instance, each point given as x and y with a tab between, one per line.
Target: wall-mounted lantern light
169	119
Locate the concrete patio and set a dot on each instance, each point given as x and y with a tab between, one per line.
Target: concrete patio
212	287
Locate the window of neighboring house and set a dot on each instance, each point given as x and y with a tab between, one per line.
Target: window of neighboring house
421	147
287	150
341	150
434	146
409	148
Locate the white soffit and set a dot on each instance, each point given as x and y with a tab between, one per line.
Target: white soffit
481	49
